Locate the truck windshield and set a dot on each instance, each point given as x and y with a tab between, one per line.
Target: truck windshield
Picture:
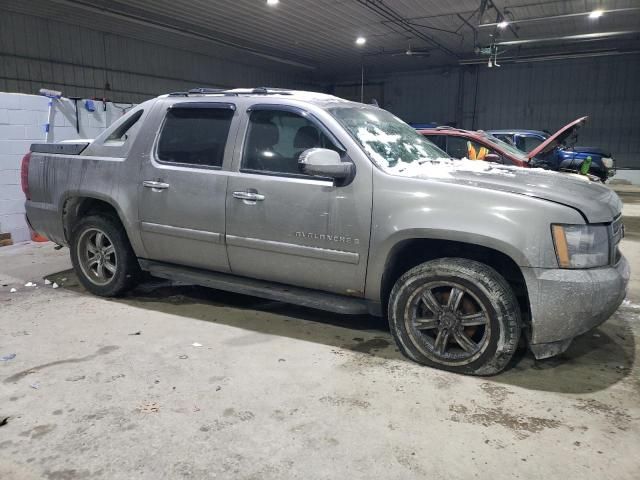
387	140
513	151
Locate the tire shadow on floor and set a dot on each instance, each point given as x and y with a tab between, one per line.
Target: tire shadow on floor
593	362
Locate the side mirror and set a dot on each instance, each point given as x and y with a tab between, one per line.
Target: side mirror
322	162
493	158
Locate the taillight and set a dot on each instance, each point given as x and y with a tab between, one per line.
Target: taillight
24	175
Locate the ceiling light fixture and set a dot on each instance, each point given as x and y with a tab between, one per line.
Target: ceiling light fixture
273	3
361	41
596	13
503	24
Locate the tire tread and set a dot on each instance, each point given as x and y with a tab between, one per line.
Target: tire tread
128	272
502	297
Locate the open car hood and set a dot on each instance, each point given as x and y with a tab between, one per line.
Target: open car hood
557	138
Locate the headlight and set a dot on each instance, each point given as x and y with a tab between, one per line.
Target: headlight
607	162
581	246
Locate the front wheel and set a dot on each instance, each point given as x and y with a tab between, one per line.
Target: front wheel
102	256
455	314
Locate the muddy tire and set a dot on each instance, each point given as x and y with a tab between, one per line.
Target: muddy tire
102	256
455	314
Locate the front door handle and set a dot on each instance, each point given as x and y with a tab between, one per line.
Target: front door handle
250	196
155	186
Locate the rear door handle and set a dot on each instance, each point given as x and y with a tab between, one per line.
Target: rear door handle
155	186
251	196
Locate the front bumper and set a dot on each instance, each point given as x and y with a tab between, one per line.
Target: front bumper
568	303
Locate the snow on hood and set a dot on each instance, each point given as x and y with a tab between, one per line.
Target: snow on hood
446	167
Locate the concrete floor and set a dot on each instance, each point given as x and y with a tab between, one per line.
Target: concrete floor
114	389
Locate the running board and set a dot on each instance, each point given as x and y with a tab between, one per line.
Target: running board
258	288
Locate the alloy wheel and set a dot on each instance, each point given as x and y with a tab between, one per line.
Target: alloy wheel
97	256
448	323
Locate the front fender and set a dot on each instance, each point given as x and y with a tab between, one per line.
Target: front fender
516	225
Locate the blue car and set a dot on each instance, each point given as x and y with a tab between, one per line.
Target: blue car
564	157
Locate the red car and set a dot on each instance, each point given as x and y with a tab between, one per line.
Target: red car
480	145
475	145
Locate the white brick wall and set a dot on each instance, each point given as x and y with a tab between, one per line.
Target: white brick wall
22	120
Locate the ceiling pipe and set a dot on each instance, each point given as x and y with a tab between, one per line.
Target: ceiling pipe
558	17
550	57
582	36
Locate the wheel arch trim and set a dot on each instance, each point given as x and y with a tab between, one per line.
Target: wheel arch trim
80	197
383	259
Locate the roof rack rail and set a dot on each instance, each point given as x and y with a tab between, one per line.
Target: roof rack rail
205	90
270	91
235	93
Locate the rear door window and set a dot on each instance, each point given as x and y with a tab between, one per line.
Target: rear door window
195	134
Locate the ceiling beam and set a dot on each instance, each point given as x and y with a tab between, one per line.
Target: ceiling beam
390	15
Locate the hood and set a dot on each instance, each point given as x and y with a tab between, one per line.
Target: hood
598	203
558	138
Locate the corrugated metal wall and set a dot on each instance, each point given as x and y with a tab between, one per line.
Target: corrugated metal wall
541	95
549	95
37	52
430	97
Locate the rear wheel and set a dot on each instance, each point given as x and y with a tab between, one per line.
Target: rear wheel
455	314
102	256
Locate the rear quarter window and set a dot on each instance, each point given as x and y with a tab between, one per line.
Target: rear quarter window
125	130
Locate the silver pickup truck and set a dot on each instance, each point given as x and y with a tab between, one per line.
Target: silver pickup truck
310	199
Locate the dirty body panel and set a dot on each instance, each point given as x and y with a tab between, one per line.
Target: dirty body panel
106	170
567	303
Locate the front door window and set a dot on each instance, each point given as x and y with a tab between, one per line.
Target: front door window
275	140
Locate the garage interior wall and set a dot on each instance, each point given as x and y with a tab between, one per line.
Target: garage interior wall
37	52
22	118
537	95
